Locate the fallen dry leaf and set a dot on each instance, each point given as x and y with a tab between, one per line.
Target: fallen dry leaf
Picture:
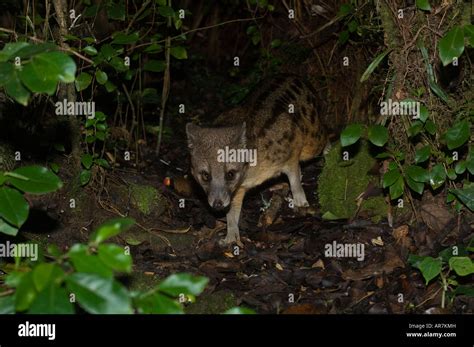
377	242
435	216
400	233
391	262
318	264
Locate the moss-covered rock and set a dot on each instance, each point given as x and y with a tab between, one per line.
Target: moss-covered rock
342	181
215	303
147	199
7	157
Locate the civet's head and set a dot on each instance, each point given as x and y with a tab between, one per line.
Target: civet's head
218	176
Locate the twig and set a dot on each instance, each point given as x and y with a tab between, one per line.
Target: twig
199	29
166	87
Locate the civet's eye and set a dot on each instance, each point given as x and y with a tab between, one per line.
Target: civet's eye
206	177
230	175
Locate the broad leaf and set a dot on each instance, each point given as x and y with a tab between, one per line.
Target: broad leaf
99	295
13	206
35	180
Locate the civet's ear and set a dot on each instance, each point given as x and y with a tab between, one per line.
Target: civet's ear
241	135
192	131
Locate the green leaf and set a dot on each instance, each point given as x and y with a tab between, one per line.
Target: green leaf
467	290
466	195
351	134
99	295
396	189
275	43
424	114
110	87
13	207
451	174
460	167
423	5
52	300
154	48
46	273
166	11
430	268
390	177
415	260
417	173
54	167
25	292
103	163
417	187
87	160
115	257
415	128
177	23
156	303
90	50
133	241
470	163
343	37
85	177
35	180
430	127
101	77
7	304
45	70
422	154
83	81
437	176
100	135
179	52
107	52
183	283
457	135
85	262
10	79
111	228
463	266
344	10
118	64
7	229
124	39
54	250
10	49
352	26
239	310
447	253
116	11
155	66
373	65
378	135
35	49
451	45
100	116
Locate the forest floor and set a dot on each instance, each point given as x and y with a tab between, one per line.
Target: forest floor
282	267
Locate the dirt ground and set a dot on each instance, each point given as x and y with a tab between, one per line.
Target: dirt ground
281	269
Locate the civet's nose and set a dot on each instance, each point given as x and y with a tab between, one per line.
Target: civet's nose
218	205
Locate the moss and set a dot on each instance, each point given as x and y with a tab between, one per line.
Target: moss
341	182
7	157
142	282
147	199
215	303
376	207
